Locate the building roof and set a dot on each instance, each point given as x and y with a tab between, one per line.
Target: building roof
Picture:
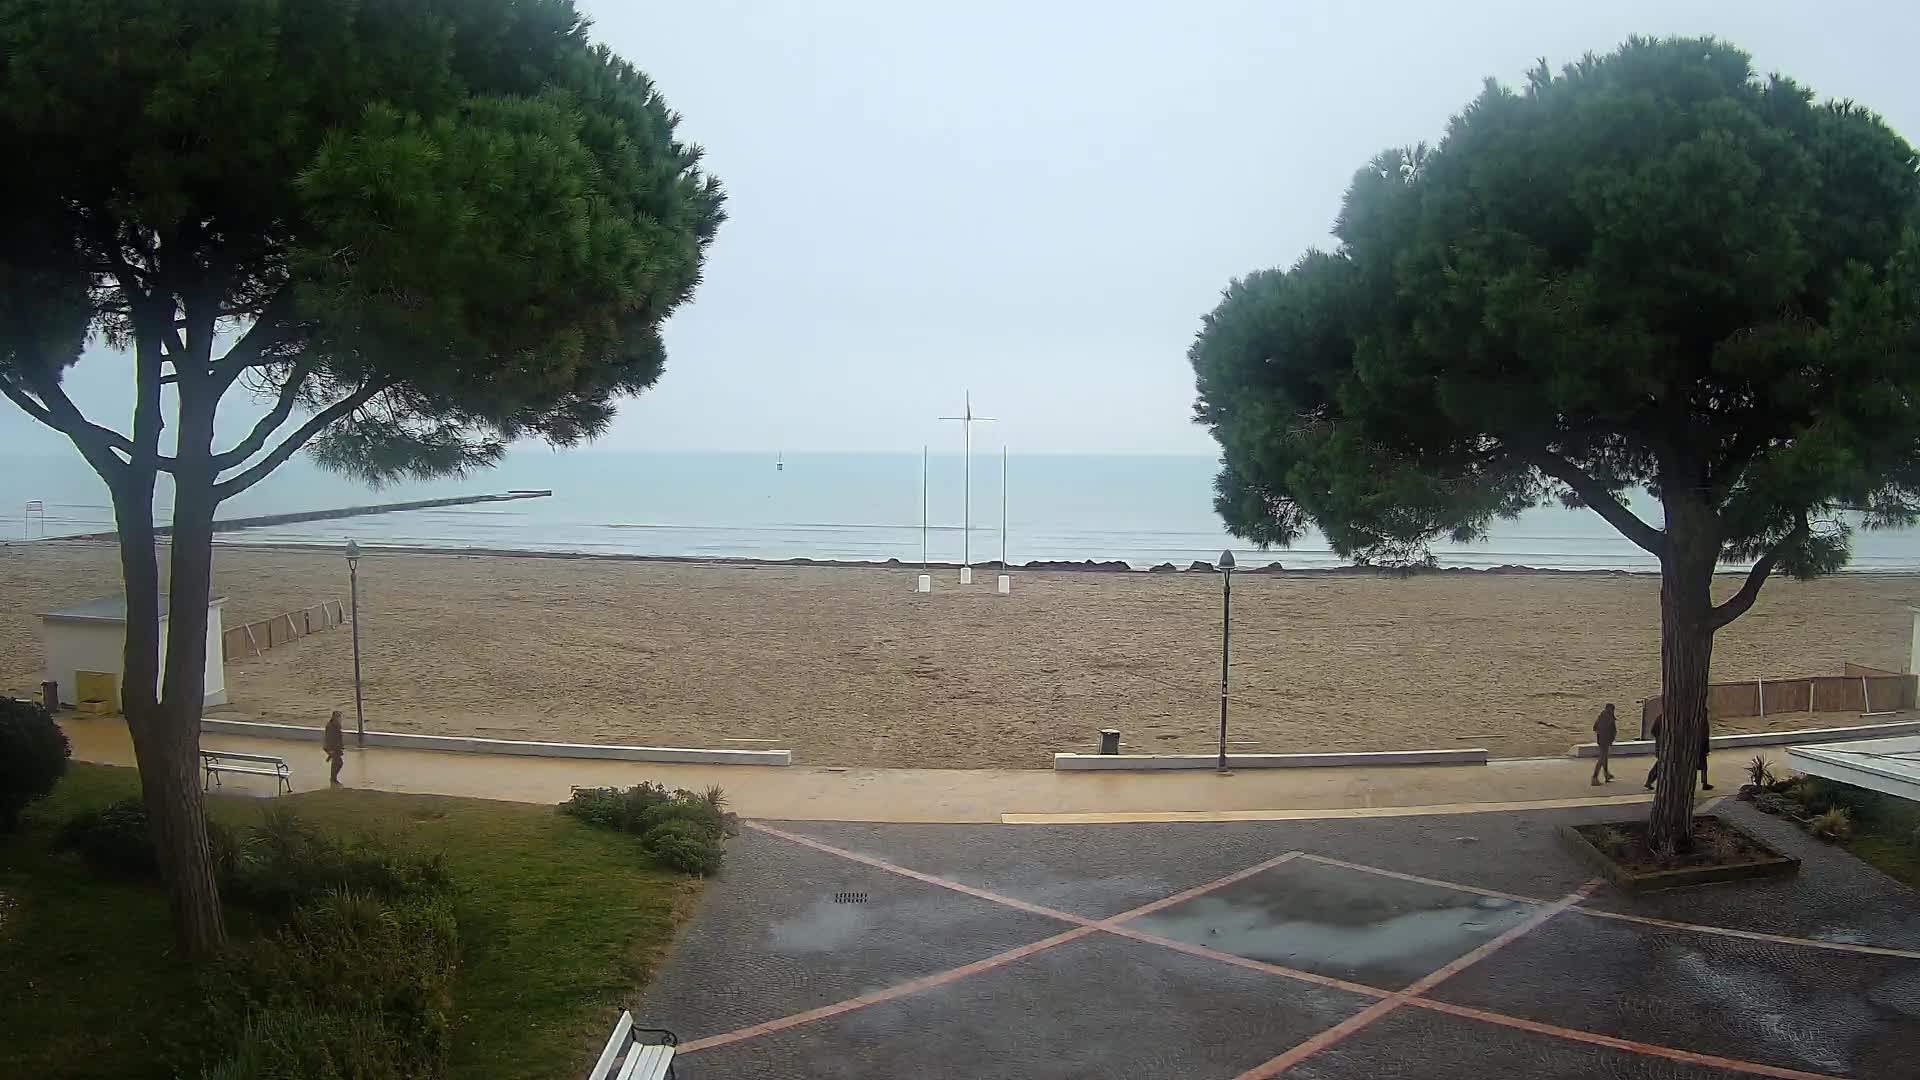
111	609
1889	766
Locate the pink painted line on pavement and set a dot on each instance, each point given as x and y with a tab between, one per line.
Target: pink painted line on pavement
925	982
1387	1000
941	978
1597	1039
1621	916
1365	1017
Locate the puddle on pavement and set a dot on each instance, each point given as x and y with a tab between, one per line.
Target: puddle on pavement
824	926
1358	938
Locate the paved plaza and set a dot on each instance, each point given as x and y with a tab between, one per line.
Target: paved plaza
1466	945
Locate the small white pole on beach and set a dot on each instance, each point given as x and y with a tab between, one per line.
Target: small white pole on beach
923	583
1004	586
966	528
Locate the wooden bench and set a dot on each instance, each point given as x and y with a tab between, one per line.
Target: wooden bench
636	1060
215	762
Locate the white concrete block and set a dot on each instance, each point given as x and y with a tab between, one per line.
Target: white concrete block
1138	762
923	583
1003	585
1644	747
966	575
467	744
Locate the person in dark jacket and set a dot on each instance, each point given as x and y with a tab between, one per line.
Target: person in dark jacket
1654	773
335	744
1604	730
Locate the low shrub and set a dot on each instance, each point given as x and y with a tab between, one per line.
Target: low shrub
1835	824
33	757
1772	802
611	808
1760	771
1810	793
112	838
283	862
684	846
273	866
679	830
356	985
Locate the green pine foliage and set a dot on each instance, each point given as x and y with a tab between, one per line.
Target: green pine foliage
414	230
1650	269
1653	270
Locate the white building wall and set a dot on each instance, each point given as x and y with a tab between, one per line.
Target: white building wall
76	645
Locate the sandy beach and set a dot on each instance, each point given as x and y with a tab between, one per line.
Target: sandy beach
848	667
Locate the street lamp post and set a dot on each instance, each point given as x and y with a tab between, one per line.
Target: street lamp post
353	586
1226	637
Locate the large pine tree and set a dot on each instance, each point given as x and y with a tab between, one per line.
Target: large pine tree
418	229
1652	270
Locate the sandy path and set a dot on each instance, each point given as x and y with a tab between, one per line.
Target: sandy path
847	666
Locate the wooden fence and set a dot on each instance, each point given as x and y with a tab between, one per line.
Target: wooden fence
257	637
1860	690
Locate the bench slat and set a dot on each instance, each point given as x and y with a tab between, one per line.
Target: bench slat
615	1044
234	755
647	1062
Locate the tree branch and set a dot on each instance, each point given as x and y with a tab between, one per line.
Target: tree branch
266	331
315	424
58	412
1737	604
1602	502
268	424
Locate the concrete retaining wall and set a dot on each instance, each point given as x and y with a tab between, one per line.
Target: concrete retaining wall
1096	762
467	744
1642	747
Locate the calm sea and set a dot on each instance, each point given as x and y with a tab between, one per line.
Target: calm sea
866	506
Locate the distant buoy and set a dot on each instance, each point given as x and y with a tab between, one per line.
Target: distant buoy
779	463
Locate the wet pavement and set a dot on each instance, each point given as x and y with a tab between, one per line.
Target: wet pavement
1461	946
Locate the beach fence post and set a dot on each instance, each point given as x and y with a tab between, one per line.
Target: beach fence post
1226	639
1004	585
923	583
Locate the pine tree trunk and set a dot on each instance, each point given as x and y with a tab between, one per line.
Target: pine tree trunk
166	738
1686	663
166	726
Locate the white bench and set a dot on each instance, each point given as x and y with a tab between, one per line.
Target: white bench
215	762
636	1060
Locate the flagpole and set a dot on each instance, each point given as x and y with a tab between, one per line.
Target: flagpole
1003	508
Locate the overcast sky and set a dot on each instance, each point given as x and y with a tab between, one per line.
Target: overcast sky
1038	201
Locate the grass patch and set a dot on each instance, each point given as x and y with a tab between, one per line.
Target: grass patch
1882	830
558	923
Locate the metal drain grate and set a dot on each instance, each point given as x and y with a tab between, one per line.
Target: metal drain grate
849	898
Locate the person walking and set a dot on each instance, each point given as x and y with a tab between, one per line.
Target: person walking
1604	729
335	744
1654	773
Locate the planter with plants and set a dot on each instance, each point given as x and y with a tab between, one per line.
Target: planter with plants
1722	851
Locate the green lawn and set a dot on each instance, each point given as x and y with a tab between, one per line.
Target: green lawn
559	923
1886	833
